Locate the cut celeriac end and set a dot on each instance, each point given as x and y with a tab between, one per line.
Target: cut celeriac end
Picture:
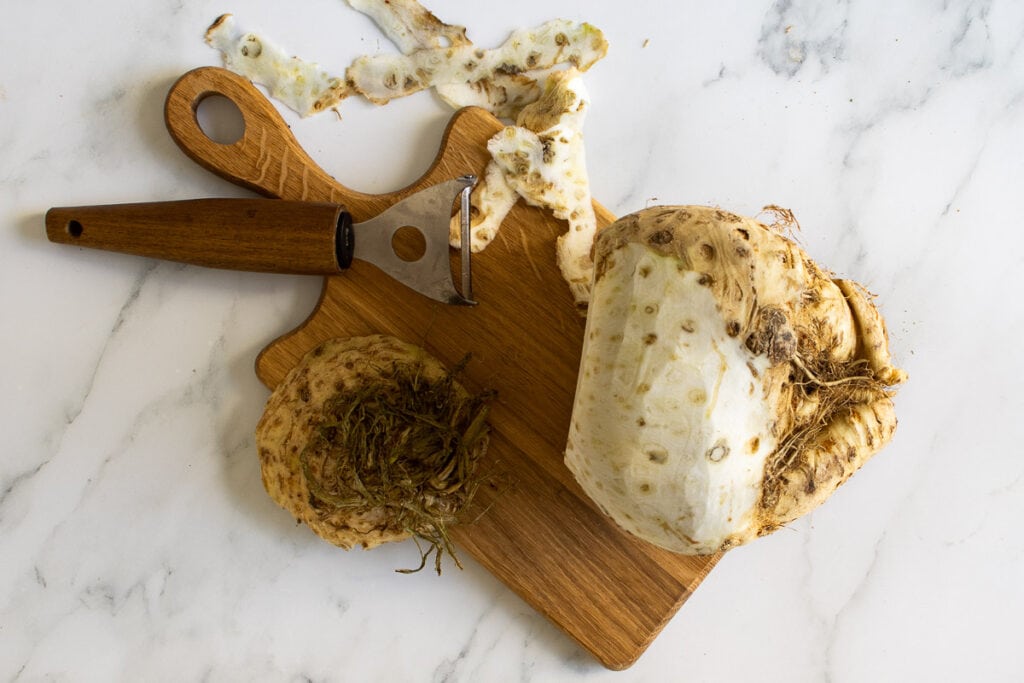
727	385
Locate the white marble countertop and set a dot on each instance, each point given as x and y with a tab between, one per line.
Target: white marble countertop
136	541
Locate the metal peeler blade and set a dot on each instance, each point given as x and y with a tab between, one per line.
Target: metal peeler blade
428	211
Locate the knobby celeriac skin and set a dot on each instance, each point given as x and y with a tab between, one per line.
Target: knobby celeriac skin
305	87
728	385
381	78
533	79
410	25
434	55
543	160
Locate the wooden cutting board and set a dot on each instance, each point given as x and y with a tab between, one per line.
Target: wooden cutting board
540	534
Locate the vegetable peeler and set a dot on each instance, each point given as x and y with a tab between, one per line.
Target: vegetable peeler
278	235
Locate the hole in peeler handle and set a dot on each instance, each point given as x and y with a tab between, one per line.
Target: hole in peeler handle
220	119
409	244
74	228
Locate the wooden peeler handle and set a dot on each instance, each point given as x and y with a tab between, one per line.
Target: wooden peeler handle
266	158
260	235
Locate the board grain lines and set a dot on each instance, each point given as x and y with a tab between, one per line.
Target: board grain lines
540	535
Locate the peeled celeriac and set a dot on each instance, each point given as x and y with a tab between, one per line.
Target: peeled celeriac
727	386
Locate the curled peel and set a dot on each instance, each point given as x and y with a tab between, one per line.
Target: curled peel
541	158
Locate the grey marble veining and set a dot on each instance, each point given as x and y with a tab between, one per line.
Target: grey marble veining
136	542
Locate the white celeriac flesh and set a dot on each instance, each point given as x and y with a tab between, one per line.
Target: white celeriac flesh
669	401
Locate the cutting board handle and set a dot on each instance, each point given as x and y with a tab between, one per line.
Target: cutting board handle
266	158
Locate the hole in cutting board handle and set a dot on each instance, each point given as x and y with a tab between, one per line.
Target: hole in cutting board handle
220	119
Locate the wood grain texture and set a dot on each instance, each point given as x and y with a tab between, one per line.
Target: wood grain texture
540	534
256	235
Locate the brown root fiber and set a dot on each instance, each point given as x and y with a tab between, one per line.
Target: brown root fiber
371	440
407	446
822	390
783	220
836	411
